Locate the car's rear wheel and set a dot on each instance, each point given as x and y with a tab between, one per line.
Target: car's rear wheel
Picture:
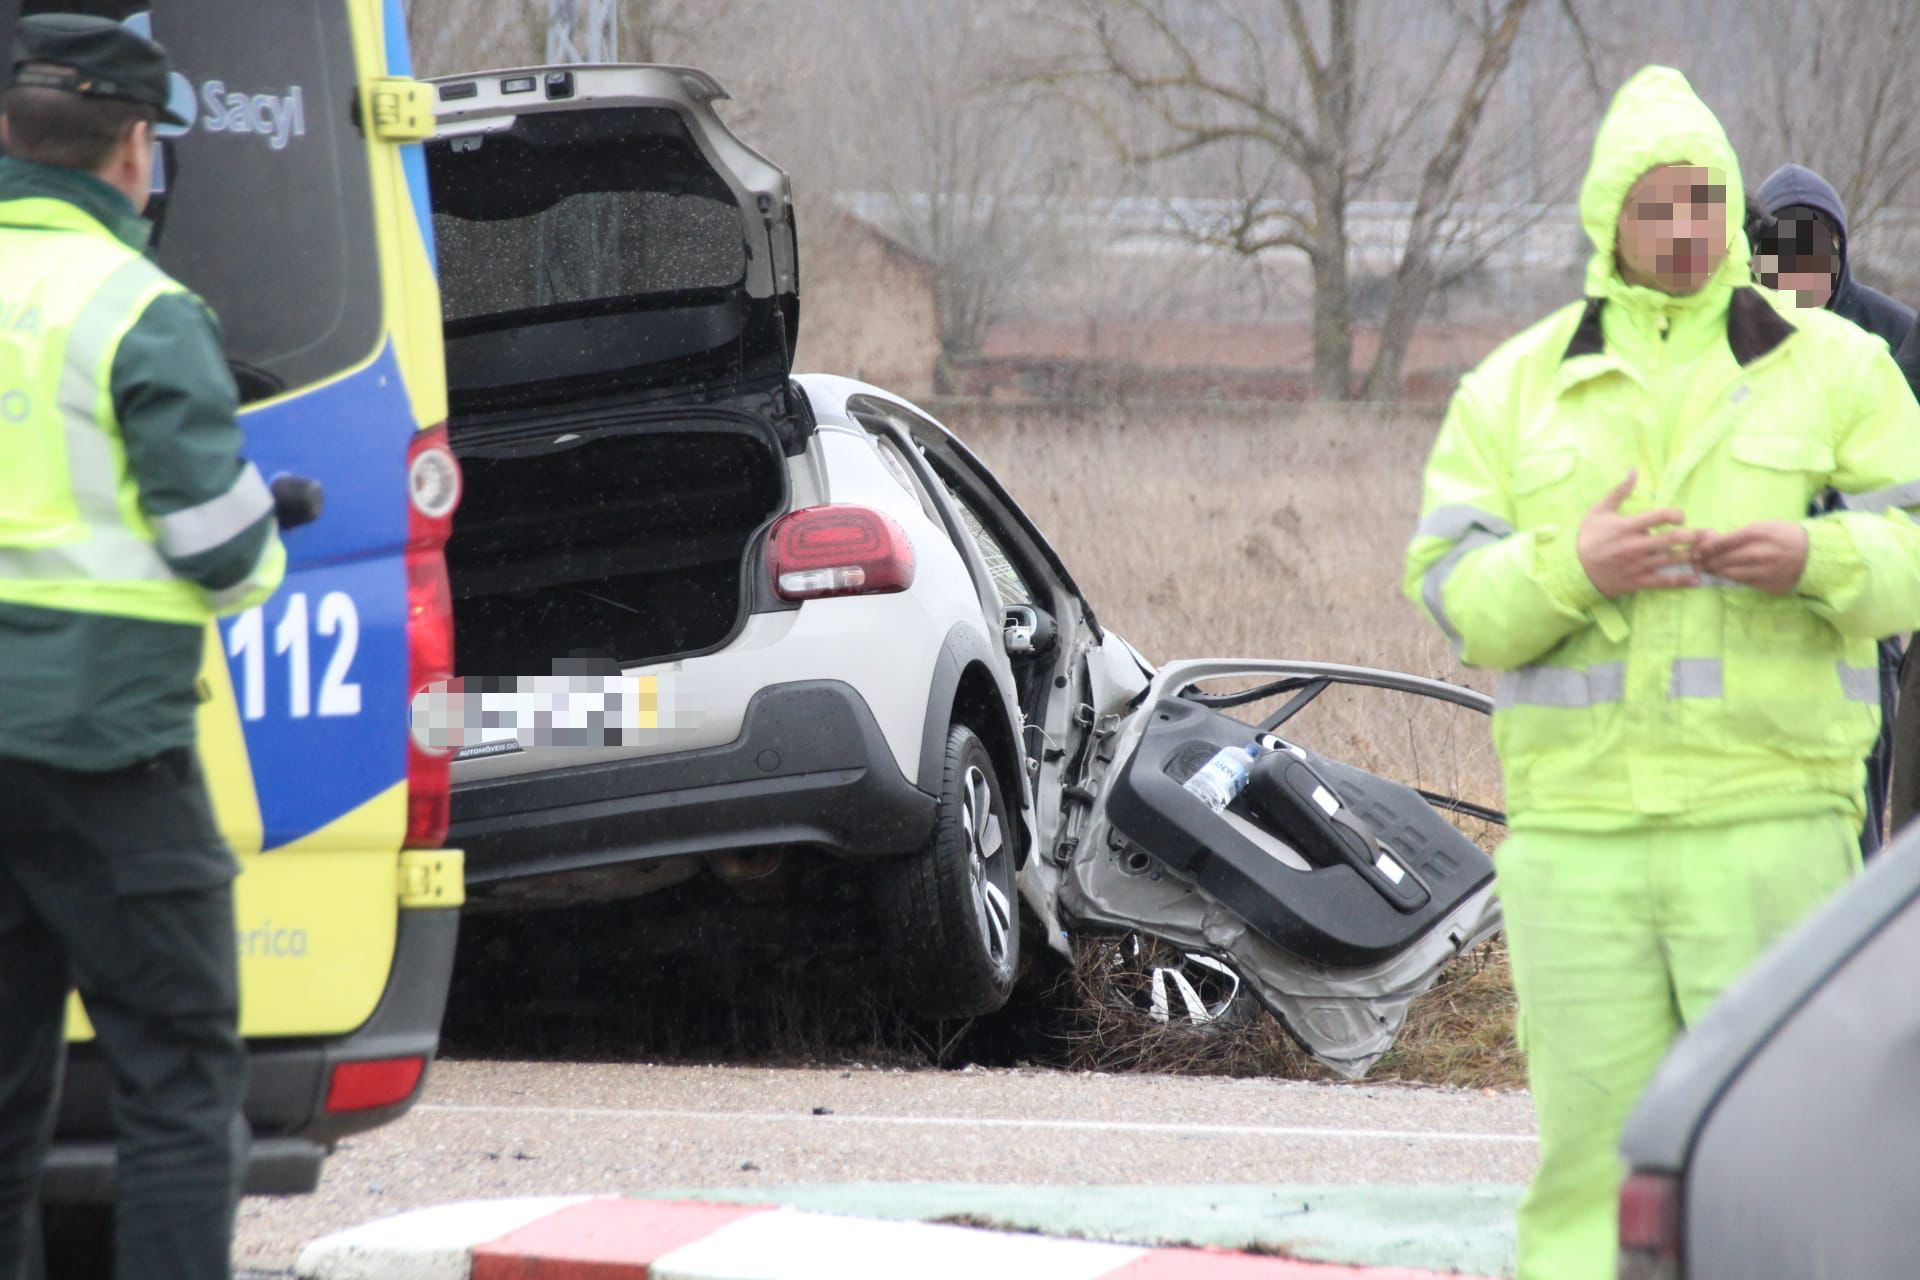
948	912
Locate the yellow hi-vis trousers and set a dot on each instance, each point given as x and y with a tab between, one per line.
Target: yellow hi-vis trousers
1619	941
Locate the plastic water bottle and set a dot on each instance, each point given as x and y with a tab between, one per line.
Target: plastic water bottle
1222	778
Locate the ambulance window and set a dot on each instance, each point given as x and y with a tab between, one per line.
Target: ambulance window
264	202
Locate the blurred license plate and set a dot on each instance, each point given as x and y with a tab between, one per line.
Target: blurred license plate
477	716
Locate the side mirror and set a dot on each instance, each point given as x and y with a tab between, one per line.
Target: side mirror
297	500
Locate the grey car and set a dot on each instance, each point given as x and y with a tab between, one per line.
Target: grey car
1781	1137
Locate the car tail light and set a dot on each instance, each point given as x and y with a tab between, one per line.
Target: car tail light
361	1086
818	552
433	493
1650	1227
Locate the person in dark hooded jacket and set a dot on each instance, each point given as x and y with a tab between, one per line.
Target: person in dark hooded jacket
1907	356
1904	798
1804	252
1812	223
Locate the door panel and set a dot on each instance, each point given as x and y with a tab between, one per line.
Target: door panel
1321	907
1335	943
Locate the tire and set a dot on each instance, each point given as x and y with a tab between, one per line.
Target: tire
949	912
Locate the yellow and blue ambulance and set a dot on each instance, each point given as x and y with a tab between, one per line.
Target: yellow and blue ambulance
294	202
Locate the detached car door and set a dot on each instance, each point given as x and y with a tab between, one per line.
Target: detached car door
1335	895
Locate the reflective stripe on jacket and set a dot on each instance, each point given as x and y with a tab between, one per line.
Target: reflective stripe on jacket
74	534
1688	705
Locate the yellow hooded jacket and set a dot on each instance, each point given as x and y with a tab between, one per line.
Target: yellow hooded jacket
1699	705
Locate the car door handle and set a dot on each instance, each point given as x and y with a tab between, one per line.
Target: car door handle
297	500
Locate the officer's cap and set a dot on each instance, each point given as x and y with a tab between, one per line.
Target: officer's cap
93	57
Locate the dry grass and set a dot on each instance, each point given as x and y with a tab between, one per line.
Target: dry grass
1276	533
1102	1031
1460	1033
1269	532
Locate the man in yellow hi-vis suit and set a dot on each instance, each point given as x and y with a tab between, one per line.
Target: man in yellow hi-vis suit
1615	518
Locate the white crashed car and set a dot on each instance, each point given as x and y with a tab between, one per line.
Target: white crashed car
731	635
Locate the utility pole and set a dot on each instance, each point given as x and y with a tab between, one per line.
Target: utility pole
583	31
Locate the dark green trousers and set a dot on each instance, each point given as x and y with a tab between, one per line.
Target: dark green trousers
119	884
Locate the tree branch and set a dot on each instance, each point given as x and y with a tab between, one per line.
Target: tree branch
1413	281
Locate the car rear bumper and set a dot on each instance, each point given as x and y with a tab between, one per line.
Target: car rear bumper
286	1084
810	767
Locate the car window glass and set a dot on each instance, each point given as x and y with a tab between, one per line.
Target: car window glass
282	131
1012	585
589	247
581	211
269	181
897	467
1013	588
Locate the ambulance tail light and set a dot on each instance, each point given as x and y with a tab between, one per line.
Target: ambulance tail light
433	493
1650	1228
383	1082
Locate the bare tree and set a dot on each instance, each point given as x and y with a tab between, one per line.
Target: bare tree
1836	90
1310	113
943	154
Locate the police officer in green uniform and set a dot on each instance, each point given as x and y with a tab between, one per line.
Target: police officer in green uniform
128	520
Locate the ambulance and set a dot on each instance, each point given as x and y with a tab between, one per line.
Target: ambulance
294	203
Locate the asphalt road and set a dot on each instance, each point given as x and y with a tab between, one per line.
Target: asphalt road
487	1129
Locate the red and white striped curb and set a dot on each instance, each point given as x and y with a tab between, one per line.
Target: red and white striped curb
610	1238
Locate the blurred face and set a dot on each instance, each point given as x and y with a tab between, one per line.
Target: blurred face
1672	233
1803	258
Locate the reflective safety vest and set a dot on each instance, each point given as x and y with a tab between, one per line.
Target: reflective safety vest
1703	705
1716	703
72	532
